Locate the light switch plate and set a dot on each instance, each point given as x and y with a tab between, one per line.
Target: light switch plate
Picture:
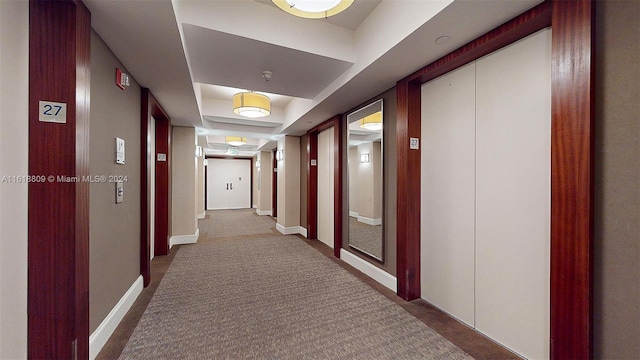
119	151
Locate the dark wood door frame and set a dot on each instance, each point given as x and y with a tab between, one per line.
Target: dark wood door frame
571	164
58	223
151	109
274	184
339	132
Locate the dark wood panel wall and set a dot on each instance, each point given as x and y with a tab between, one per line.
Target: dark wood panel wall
339	153
274	184
58	235
571	165
150	110
572	133
312	186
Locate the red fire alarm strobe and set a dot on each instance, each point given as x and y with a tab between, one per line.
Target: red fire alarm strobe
122	79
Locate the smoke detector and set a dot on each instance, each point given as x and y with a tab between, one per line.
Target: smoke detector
266	75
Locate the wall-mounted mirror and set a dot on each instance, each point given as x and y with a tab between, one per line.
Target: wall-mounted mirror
365	180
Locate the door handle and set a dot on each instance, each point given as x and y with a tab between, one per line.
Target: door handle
231	186
227	186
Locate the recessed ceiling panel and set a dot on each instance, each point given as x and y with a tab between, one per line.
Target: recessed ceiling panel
224	59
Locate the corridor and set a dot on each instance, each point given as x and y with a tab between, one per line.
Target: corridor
246	291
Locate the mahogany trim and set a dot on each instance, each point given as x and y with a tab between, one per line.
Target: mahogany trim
408	191
58	226
312	185
150	108
274	184
572	137
571	164
519	27
339	141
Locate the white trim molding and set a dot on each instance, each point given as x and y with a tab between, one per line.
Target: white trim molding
184	239
369	221
302	231
202	216
354	214
374	272
99	338
263	212
291	230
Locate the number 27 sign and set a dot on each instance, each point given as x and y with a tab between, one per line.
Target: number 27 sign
50	111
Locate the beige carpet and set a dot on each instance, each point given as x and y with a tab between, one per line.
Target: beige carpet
241	222
366	238
274	297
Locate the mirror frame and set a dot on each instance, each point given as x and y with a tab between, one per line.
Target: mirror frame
358	112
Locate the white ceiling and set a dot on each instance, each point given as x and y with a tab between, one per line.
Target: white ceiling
194	55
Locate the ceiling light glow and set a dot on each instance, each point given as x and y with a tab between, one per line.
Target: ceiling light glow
313	9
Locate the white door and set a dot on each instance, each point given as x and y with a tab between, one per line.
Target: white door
325	187
228	184
485	200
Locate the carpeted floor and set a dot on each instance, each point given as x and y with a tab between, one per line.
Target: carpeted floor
472	342
219	224
274	297
366	238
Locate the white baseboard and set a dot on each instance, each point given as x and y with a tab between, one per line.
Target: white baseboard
291	230
109	324
263	212
184	239
202	216
353	214
368	269
369	221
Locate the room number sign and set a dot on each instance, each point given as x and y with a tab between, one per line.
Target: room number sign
414	143
50	111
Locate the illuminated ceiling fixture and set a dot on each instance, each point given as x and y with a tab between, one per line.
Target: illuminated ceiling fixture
235	140
251	104
313	9
372	122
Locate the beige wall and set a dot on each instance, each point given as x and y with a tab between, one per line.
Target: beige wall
14	149
289	182
353	174
367	181
114	244
389	156
326	187
264	193
184	219
617	181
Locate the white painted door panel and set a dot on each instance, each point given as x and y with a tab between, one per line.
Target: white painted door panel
447	195
228	184
326	187
513	115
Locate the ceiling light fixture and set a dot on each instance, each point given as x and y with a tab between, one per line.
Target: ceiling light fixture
235	140
251	104
372	122
313	9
